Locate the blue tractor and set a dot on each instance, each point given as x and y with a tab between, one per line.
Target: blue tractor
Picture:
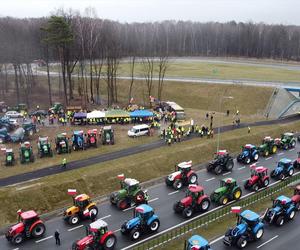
249	228
196	242
249	154
283	209
78	140
284	169
144	221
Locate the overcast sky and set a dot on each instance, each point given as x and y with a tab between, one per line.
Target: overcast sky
268	11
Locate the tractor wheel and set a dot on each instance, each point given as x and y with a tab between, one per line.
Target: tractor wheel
218	170
237	194
73	220
241	243
208	167
122	204
223	200
293	144
135	234
285	146
193	179
246	184
280	221
281	177
292	215
297	205
93	210
255	157
274	149
187	212
259	234
176	207
204	205
291	171
17	239
110	242
247	160
177	184
266	153
38	230
255	187
154	226
229	165
266	182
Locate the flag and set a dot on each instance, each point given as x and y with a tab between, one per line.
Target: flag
139	209
19	211
86	213
121	176
72	192
236	210
131	100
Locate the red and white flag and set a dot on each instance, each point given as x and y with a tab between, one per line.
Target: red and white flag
236	210
121	176
72	192
131	100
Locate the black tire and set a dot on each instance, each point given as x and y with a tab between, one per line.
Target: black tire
281	177
17	239
112	199
223	200
259	234
291	172
204	205
279	221
266	182
218	170
255	187
187	212
122	204
135	234
154	226
74	219
235	195
292	215
178	184
38	230
285	146
247	160
229	165
241	243
94	210
193	178
208	167
110	242
176	207
293	144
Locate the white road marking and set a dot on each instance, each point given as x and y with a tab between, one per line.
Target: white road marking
257	162
173	192
74	228
16	249
281	153
268	241
105	217
268	158
227	173
153	200
117	230
241	168
47	238
124	210
292	149
210	179
245	180
216	240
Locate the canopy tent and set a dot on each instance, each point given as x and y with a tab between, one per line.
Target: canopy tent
117	113
80	115
95	114
141	113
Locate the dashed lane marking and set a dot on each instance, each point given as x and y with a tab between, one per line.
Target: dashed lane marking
268	158
216	240
241	168
210	179
173	192
47	238
74	228
281	153
117	230
292	149
124	210
105	217
267	241
227	173
153	200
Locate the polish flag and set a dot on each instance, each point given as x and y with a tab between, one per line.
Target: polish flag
72	192
236	210
131	100
139	209
195	248
121	176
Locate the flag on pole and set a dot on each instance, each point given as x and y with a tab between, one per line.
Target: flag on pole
72	192
236	210
121	176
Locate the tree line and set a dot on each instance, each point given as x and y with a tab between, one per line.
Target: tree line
88	50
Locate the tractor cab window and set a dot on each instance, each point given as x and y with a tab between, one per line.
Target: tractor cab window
262	174
131	189
277	203
82	204
253	172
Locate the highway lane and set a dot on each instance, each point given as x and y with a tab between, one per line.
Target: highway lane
162	199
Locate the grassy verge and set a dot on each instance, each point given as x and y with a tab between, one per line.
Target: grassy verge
49	193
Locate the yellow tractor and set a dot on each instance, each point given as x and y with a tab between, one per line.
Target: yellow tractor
83	208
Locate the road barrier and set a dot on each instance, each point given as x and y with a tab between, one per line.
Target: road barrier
201	220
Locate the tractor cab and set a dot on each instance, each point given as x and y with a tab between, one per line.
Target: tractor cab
248	148
260	172
92	137
77	139
287	136
249	218
143	212
28	217
108	135
284	163
92	133
130	185
97	229
194	191
267	140
81	201
221	154
43	140
196	242
184	167
281	202
229	183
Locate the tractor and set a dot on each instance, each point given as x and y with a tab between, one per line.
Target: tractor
9	157
26	153
44	147
130	194
81	209
284	169
222	162
259	178
267	147
228	190
4	135
144	221
29	128
249	227
108	136
196	242
97	237
92	138
249	154
29	226
194	201
286	141
296	163
78	140
183	175
56	108
283	209
62	145
296	197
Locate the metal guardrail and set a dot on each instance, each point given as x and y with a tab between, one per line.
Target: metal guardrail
201	220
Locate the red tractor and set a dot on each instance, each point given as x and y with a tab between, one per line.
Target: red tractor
98	237
29	226
259	178
194	201
92	138
183	175
296	197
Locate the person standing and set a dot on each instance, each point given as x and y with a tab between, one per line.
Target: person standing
57	238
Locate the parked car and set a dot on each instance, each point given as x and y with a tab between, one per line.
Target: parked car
139	130
13	114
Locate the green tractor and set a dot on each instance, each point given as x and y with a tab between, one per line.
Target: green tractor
228	191
62	145
44	147
26	153
286	141
131	194
268	146
108	136
56	108
9	157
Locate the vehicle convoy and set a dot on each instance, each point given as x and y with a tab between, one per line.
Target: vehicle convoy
296	197
259	178
249	154
130	194
62	145
283	169
26	153
97	237
194	201
29	226
196	242
108	137
144	221
183	175
283	209
9	157
222	162
286	141
249	228
228	191
44	147
92	138
78	140
267	147
81	209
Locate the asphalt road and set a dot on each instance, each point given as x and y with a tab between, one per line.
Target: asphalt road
121	153
162	199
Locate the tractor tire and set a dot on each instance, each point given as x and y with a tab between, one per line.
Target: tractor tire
176	207
293	144
266	182
280	221
247	160
187	212
274	149
110	242
241	243
122	204
94	210
73	220
218	170
266	153
259	234
38	230
297	206
154	226
237	194
255	157
193	179
112	199
281	177
135	234
255	187
223	200
246	184
208	167
291	171
17	239
177	184
229	165
292	215
285	146
204	205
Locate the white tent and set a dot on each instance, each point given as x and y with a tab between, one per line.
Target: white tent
95	114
